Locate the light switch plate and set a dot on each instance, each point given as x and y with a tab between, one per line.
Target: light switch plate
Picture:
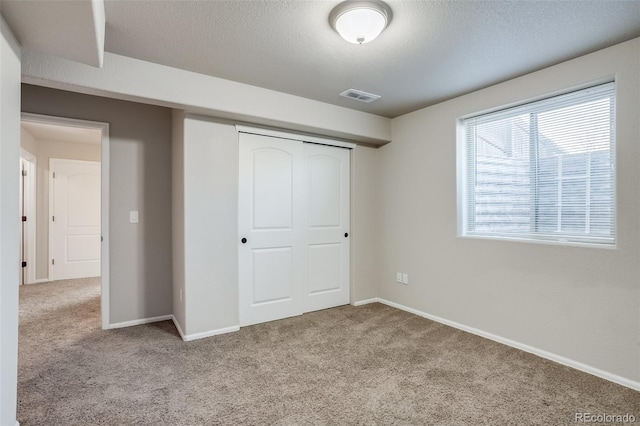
133	216
405	278
398	277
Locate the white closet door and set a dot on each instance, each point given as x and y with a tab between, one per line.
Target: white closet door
271	203
327	233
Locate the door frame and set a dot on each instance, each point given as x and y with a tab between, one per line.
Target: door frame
294	136
104	197
29	200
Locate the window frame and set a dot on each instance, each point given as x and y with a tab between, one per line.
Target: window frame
463	170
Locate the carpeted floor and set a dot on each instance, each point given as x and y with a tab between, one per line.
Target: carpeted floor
371	365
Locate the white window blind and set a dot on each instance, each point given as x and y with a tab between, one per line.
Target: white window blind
543	170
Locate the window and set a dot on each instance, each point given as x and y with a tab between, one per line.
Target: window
542	171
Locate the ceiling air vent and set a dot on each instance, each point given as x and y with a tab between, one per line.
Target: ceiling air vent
359	95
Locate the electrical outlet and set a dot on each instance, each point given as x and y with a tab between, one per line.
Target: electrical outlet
398	277
405	278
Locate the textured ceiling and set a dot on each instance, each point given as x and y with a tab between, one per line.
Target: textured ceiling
432	51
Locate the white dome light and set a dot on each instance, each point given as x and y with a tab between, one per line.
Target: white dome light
360	22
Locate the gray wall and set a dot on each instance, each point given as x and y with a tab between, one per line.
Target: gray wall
140	179
9	214
579	303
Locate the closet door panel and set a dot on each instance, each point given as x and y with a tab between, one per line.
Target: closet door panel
327	240
271	249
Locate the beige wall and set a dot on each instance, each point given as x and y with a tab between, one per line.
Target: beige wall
140	179
364	225
574	302
177	215
44	150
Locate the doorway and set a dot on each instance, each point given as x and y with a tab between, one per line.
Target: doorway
79	196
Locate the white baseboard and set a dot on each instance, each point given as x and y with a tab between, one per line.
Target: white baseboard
38	281
140	321
177	324
366	301
521	346
196	336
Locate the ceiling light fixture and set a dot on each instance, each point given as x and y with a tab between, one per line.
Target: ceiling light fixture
360	22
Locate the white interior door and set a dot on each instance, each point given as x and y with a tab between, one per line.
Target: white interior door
327	233
74	230
271	254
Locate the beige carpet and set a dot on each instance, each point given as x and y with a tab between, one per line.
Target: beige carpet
371	365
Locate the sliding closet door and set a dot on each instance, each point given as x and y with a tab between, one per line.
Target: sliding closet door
272	266
293	227
327	233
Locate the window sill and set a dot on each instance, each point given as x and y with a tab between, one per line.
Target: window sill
554	242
